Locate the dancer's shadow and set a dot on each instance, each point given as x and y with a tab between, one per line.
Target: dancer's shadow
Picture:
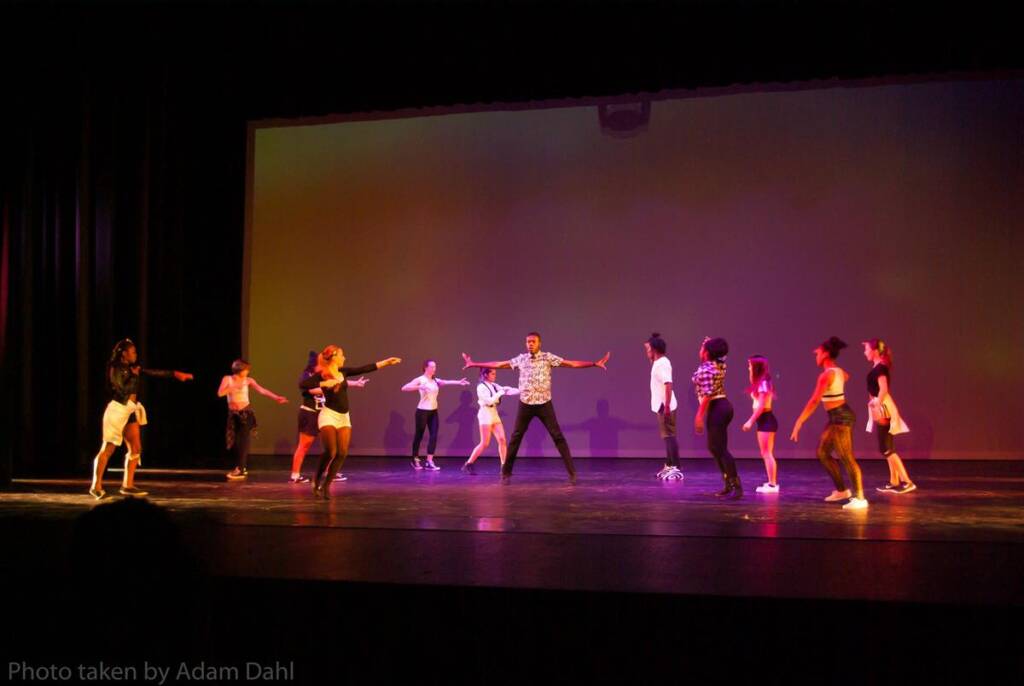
464	416
604	430
397	440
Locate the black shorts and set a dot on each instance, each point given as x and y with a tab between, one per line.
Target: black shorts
767	422
307	422
885	442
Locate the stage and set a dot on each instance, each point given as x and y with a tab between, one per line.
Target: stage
620	561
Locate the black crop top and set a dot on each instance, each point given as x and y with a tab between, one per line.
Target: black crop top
878	371
336	397
123	380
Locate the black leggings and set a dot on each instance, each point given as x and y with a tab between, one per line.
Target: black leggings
546	414
717	427
425	419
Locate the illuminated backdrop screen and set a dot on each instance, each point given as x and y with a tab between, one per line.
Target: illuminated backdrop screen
773	219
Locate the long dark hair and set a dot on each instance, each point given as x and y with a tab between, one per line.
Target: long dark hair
760	373
310	364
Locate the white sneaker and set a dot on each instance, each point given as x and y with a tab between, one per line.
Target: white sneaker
664	472
856	504
767	488
838	495
673	474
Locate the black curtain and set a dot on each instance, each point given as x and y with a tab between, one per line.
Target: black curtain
124	133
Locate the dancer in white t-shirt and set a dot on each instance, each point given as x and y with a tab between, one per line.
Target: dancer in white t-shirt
664	404
426	411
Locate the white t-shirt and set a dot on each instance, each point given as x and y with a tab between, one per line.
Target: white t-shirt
428	394
661	374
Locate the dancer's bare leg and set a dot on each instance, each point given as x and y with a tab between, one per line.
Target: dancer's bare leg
305	441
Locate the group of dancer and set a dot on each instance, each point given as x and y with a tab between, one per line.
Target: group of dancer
324	413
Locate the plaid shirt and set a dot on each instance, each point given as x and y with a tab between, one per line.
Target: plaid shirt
709	379
535	376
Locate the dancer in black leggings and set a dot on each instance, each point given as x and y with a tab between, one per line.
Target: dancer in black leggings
428	386
334	422
715	412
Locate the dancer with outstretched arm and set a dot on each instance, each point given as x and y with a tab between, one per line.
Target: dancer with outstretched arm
124	416
838	434
334	422
241	418
489	395
534	367
428	387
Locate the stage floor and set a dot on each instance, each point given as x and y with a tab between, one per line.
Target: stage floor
958	539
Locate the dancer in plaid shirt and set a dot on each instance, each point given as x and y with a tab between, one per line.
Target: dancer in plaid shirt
715	411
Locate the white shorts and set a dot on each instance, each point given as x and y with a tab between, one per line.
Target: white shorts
329	417
116	417
486	416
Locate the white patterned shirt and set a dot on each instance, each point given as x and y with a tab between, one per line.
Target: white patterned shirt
535	376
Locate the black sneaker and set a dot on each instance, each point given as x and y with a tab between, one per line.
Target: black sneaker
469	468
340	477
416	464
907	487
133	492
888	488
430	466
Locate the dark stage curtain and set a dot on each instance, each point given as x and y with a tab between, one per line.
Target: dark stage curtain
122	196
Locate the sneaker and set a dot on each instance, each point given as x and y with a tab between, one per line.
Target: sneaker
888	488
430	466
767	488
133	492
340	477
673	474
856	504
907	487
98	493
469	468
237	474
664	472
416	464
838	495
294	479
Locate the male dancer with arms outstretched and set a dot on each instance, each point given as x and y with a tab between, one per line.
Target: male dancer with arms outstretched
534	368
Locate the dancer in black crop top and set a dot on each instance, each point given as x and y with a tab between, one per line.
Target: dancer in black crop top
124	415
885	417
331	377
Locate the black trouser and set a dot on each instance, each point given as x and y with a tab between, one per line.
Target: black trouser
240	426
717	427
425	419
546	414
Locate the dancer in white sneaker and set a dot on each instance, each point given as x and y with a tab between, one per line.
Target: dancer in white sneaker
762	393
664	405
426	411
241	418
334	422
884	417
124	416
838	434
489	395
